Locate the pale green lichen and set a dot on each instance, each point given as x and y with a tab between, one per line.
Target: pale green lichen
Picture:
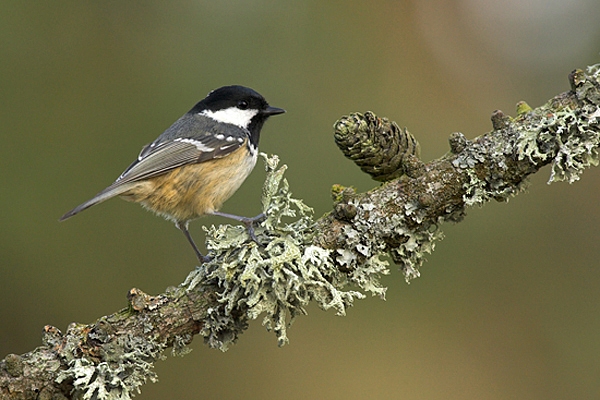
180	345
380	224
569	136
362	251
569	139
276	279
364	247
127	363
577	146
492	153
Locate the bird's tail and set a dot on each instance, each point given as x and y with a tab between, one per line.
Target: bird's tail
108	193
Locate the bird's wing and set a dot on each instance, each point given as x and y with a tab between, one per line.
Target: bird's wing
160	157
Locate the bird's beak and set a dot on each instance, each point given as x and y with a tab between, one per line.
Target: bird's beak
273	111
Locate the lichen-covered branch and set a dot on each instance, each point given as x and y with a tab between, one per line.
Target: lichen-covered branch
331	261
402	217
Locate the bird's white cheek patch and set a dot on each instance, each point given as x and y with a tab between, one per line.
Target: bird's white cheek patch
231	115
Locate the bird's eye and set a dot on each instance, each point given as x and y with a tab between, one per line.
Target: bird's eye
242	105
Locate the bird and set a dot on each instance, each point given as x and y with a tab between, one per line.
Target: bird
198	163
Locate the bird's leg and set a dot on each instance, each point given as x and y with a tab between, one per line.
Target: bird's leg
183	226
248	222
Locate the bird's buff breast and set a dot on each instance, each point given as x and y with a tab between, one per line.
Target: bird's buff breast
193	190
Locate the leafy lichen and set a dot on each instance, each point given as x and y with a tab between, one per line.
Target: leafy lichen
277	278
376	231
127	363
567	134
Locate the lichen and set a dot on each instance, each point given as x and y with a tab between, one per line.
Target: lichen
276	278
392	227
566	134
484	162
127	363
181	345
572	146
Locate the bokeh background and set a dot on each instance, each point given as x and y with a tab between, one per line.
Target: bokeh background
507	306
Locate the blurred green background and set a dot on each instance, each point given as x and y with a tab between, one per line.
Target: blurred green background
507	306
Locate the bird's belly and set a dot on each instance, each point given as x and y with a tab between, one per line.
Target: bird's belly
193	190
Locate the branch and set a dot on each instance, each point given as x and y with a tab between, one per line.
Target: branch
304	260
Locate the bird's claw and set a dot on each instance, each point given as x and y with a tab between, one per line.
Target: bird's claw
249	223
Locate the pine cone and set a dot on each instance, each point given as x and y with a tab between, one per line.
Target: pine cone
379	147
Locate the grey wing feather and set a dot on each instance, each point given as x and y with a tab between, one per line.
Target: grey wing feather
154	161
159	159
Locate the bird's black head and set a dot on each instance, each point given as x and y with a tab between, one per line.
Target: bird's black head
237	105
